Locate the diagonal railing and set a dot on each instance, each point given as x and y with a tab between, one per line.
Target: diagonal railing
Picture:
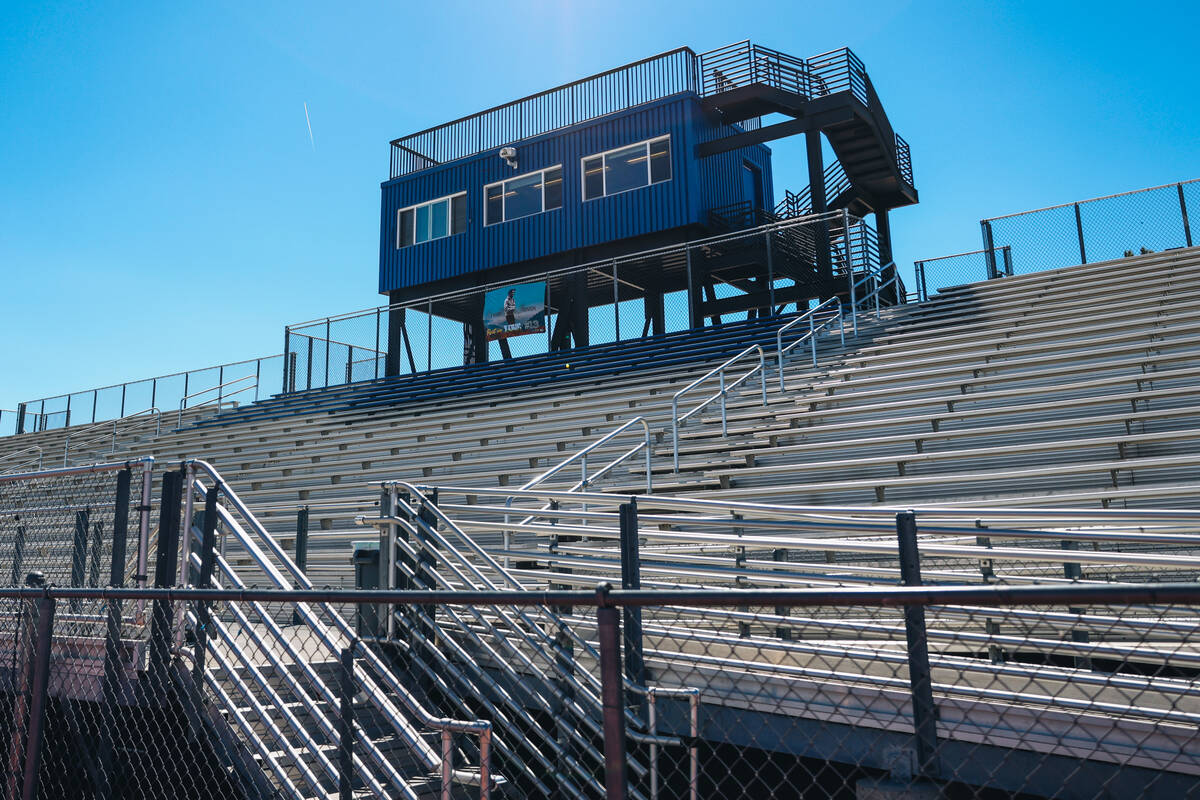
403	713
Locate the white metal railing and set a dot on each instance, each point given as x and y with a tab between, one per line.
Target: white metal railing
379	685
819	318
222	395
21	459
721	393
107	431
471	566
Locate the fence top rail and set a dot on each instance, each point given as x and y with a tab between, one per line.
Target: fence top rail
966	253
829	512
152	378
417	303
605	596
147	462
1091	200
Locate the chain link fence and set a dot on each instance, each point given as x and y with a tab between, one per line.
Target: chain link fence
1100	229
989	693
473	671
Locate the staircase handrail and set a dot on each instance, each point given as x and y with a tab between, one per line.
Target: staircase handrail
220	398
721	393
487	559
109	428
379	675
25	462
828	312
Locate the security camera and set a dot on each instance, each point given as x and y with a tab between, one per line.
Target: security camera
509	154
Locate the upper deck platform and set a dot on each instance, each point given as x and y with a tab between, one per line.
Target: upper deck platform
723	73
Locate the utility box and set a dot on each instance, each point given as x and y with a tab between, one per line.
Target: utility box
366	576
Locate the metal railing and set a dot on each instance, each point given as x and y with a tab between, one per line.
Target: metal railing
322	352
819	318
958	268
1098	229
654	78
23	460
107	432
722	392
376	680
617	89
901	707
536	643
163	391
223	393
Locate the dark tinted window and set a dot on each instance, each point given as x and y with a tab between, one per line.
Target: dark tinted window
552	185
593	178
660	161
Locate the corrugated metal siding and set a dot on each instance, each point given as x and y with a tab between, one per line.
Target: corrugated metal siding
719	177
577	224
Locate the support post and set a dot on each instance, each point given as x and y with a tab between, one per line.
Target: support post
208	560
39	681
919	674
989	251
346	724
18	556
113	669
635	665
164	578
816	187
612	692
1079	231
693	292
1183	211
1073	571
79	554
301	552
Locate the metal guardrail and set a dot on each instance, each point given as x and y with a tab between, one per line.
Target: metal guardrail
321	352
377	681
163	391
958	268
820	317
222	394
721	393
107	431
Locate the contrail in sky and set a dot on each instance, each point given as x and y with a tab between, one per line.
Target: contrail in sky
309	121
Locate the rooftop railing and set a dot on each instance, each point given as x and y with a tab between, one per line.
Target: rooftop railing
644	81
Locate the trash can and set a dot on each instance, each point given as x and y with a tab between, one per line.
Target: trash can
366	576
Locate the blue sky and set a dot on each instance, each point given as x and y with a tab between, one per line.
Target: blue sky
162	206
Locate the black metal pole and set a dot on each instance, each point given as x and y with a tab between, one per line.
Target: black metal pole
39	681
346	725
631	578
79	554
989	252
301	551
919	673
613	702
18	556
1079	231
208	560
112	640
1187	228
164	577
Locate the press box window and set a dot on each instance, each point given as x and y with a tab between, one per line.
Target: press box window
627	168
523	196
436	219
